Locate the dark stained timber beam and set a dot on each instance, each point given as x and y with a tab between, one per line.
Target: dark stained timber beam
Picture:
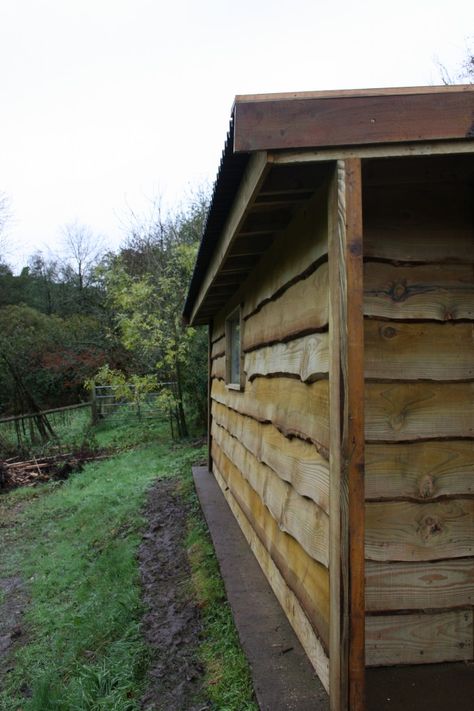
283	123
346	377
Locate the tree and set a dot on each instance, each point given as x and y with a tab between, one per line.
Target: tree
146	288
464	73
83	251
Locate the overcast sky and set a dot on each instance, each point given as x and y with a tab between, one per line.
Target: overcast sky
107	104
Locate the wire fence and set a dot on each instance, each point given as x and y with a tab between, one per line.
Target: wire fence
109	403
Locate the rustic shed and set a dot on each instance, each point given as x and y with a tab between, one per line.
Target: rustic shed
336	273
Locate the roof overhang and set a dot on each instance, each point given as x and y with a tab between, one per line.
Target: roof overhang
269	166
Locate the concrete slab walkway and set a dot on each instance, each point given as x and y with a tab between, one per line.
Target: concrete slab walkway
282	675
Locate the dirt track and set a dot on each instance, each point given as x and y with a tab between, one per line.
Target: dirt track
171	625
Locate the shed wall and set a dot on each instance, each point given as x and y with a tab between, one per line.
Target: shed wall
270	442
419	367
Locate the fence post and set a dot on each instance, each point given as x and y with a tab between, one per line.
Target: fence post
94	415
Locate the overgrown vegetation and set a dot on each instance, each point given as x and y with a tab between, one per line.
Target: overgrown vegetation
76	545
113	318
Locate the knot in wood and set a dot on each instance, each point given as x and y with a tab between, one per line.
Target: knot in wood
388	332
397	421
426	486
399	291
429	526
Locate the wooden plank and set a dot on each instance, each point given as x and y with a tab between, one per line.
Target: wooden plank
294	514
419	351
300	309
306	357
419	470
429	218
218	347
331	93
295	461
218	368
411	411
408	531
434	291
295	251
248	190
294	408
394	150
419	586
301	245
354	120
285	595
307	578
420	173
209	399
346	376
419	638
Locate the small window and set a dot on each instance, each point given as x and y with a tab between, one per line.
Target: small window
233	350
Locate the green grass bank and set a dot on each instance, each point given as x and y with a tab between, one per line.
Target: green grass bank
75	544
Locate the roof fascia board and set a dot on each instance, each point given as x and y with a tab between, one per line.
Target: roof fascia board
348	93
341	120
255	174
384	151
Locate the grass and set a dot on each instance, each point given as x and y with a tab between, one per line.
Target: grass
228	681
76	543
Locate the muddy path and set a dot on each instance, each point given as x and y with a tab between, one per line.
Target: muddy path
13	599
171	625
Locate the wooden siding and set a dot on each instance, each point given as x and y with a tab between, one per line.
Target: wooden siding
419	398
270	441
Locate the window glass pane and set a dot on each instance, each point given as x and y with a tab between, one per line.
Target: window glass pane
234	325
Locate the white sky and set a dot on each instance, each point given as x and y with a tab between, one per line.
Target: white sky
106	104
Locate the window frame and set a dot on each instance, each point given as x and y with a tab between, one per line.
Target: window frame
234	316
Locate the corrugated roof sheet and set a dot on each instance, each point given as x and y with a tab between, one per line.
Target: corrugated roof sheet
231	169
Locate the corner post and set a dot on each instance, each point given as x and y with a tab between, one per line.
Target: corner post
346	375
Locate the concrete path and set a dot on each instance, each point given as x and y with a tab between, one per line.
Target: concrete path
282	675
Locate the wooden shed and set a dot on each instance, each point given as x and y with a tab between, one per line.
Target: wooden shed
336	273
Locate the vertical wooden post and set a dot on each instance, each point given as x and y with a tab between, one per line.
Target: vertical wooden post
346	373
209	399
94	413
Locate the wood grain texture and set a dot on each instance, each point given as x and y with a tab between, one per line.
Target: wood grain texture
419	223
218	368
302	244
293	407
408	531
307	358
285	595
419	638
302	157
300	309
295	251
294	514
419	586
405	186
435	291
419	351
209	400
409	411
295	461
354	120
346	376
218	347
419	470
412	246
307	578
